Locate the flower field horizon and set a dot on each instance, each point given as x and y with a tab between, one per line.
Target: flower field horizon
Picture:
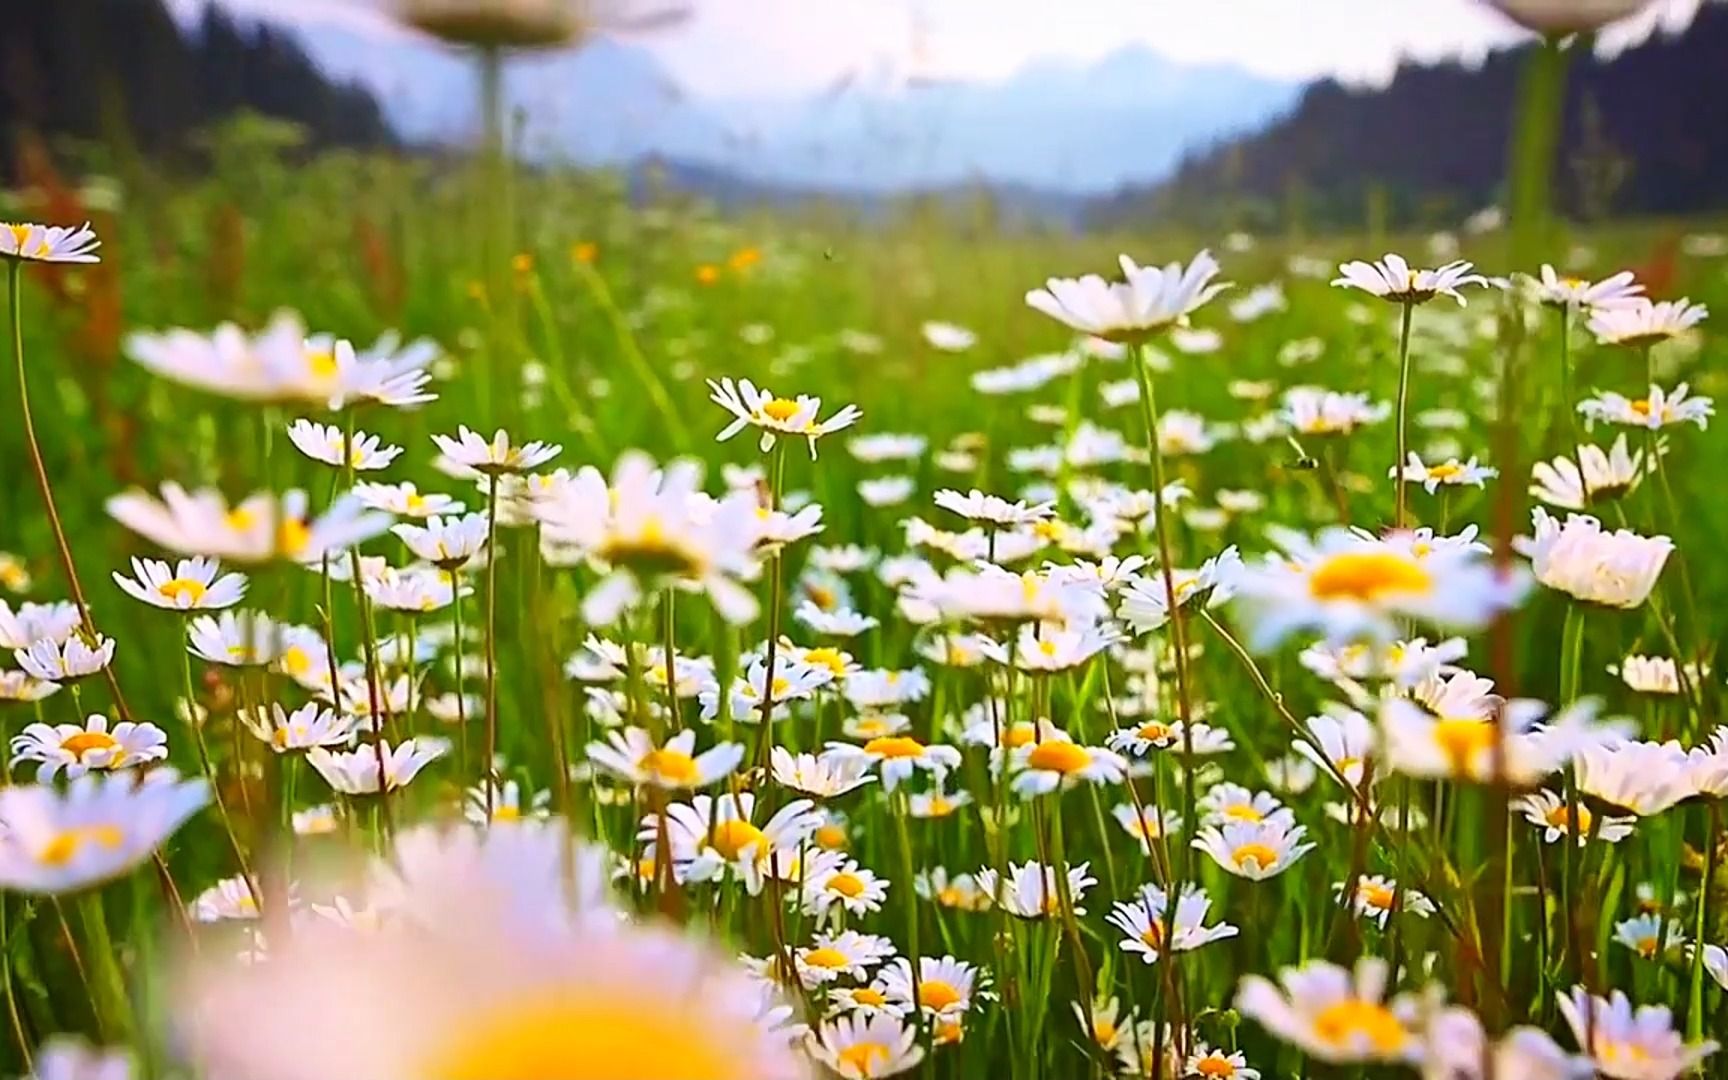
566	635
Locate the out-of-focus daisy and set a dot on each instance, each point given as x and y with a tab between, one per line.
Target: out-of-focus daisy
836	881
947	336
1377	895
977	506
1640	322
1315	412
1578	558
1644	778
1147	824
959	891
1451	473
447	543
76	749
66	1057
1463	741
1630	1045
821	776
307	726
632	755
326	442
945	986
1581	294
866	1047
1661	409
416	589
1334	1014
191	583
495	456
1102	1022
20	687
938	802
34	622
835	623
1605	476
229	900
1550	813
753	407
1029	890
1146	301
887	446
886	490
1649	937
65	662
97	828
1654	674
235	638
1145	922
506	802
357	772
1391	278
1457	1049
321	820
262	528
1255	850
404	500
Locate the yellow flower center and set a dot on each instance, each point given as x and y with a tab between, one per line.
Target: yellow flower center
321	363
1609	1051
823	597
506	813
1344	1021
295	661
672	766
936	994
848	885
951	896
292	537
1260	854
828	658
732	836
586	1036
1154	731
780	409
1243	812
949	1031
182	588
894	746
831	837
1641	406
1646	946
863	1057
1154	934
1061	757
1367	576
1104	1032
85	741
870	726
1019	735
66	845
1376	895
827	958
20	234
939	806
866	995
1451	470
1214	1066
1463	740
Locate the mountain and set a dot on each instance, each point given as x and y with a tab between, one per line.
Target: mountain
1078	128
1642	134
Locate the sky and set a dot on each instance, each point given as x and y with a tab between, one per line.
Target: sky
774	48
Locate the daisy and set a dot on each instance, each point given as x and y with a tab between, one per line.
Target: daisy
34	622
897	756
1549	812
1102	1022
192	583
751	407
708	836
1574	294
261	528
326	443
404	500
849	953
961	891
871	1000
1640	322
937	803
97	828
886	490
1233	802
1451	473
66	1057
1615	570
305	727
994	511
1146	301
1312	411
29	242
1647	935
1630	1045
1145	920
20	687
886	446
792	681
1255	850
65	662
80	748
1605	477
506	804
1457	1049
866	1047
823	776
838	881
1644	778
1058	762
1334	1014
447	543
947	336
1653	413
1653	674
234	639
1393	279
944	987
495	457
1459	741
632	755
1146	824
1145	602
1029	891
321	820
233	899
1376	896
835	623
417	589
883	688
358	772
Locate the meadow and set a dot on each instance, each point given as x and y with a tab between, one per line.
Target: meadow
866	725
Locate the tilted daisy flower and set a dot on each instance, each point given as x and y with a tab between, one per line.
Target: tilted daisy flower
1451	473
1312	411
34	622
1145	604
1146	824
632	755
995	596
1391	278
1578	558
866	1047
832	880
235	638
1640	322
709	836
1643	778
864	1001
1146	301
507	804
1052	650
417	589
1630	1045
1145	922
897	756
1550	813
1659	410
1219	1064
1352	587
1605	476
357	772
792	681
1233	802
1707	766
753	407
190	584
1255	850
448	543
307	726
1654	674
29	242
835	623
327	442
821	776
1650	937
1376	896
1029	890
65	662
1102	1021
1334	1014
1057	762
404	500
100	827
1581	294
959	891
20	687
76	749
977	506
1465	742
848	953
262	528
945	986
495	456
938	802
1457	1048
233	899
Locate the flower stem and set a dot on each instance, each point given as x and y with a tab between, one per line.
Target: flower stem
1695	994
487	765
1398	504
108	984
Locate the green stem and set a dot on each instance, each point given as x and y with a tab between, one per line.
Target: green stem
487	766
1398	496
1695	993
108	984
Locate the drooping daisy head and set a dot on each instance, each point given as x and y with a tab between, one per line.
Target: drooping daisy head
26	242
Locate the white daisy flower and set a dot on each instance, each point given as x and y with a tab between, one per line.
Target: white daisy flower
848	953
326	442
871	1000
947	336
506	804
235	638
357	772
1219	1064
1147	824
822	776
945	986
1147	299
1255	850
887	446
938	802
64	662
307	726
1056	762
886	490
1233	802
897	756
1630	1045
959	891
262	528
1549	812
22	688
29	242
631	755
1654	674
1659	410
1581	294
34	622
80	748
708	836
447	543
495	456
1649	937
1145	922
416	589
1334	1014
1578	558
1309	410
1391	278
191	583
977	506
878	689
99	827
233	899
1605	476
1377	895
1029	890
866	1047
834	623
1457	1049
833	880
792	681
1640	322
1451	473
404	500
1145	602
1643	778
752	407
